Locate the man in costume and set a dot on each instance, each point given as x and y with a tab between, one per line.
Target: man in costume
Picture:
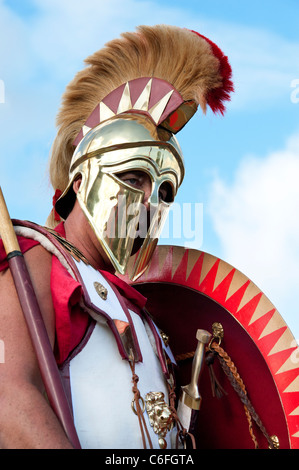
114	160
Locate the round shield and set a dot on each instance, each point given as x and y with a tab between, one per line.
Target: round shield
189	290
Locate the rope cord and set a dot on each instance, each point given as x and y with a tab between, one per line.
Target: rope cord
229	368
237	383
139	411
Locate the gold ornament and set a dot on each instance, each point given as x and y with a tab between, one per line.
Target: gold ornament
160	416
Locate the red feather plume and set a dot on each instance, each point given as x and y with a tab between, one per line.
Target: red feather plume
217	96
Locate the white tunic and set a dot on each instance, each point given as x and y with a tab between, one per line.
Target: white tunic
101	381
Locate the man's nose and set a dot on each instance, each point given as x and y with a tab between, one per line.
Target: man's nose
147	189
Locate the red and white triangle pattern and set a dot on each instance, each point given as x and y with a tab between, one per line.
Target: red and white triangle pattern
147	95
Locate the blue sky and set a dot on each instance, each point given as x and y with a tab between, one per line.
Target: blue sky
242	168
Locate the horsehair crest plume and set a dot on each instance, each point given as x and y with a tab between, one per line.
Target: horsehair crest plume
177	67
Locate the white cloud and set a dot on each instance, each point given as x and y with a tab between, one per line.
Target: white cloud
256	218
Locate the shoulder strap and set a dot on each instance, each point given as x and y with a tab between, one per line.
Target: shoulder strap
50	241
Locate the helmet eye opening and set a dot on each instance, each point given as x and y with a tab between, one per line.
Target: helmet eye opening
166	192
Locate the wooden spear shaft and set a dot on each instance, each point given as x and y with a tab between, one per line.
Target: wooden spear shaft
36	327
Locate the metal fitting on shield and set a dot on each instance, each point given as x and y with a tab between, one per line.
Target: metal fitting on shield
190	394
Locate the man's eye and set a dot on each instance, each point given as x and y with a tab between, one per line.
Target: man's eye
130	178
162	194
166	192
132	181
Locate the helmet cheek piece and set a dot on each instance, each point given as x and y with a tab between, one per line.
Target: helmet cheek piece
112	209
